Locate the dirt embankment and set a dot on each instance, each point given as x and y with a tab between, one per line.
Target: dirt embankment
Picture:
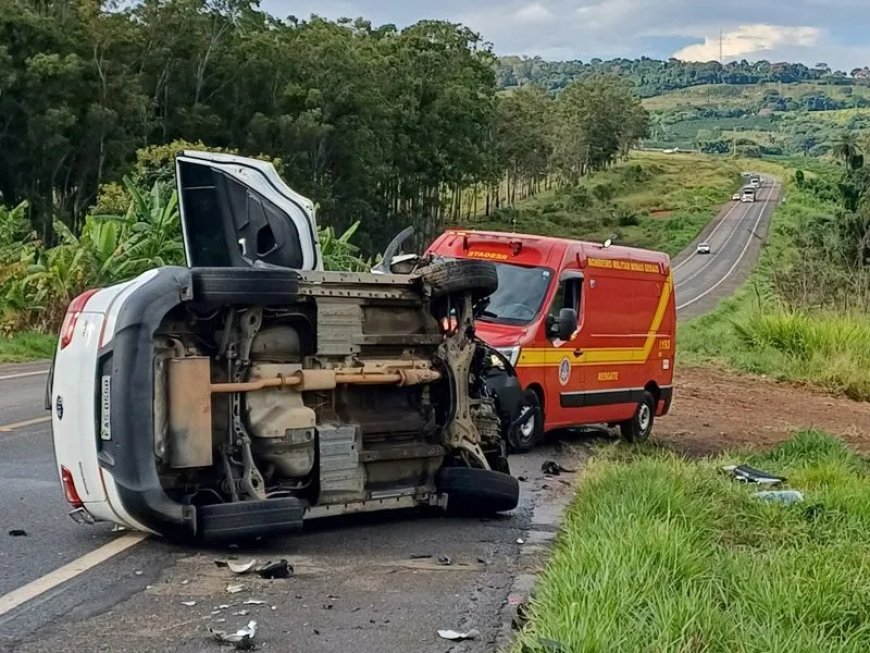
716	410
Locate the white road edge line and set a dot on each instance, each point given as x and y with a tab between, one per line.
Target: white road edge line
733	267
69	571
9	377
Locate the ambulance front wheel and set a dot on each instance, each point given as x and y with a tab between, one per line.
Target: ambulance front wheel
639	427
530	425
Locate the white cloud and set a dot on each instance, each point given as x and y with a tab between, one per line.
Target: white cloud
751	40
534	13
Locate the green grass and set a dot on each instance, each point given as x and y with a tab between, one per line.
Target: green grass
755	331
662	554
24	347
654	200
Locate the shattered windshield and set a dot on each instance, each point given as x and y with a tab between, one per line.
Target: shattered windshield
520	293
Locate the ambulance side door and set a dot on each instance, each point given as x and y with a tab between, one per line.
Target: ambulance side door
566	356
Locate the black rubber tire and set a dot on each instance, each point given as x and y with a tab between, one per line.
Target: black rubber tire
639	427
520	443
460	276
477	492
223	286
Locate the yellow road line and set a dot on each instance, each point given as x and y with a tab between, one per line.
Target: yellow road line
5	428
69	571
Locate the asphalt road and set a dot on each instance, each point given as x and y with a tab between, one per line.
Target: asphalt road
357	583
736	237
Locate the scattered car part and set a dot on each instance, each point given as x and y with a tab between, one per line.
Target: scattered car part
445	561
18	532
189	604
457	636
275	570
241	567
235	589
786	497
242	639
254	602
747	474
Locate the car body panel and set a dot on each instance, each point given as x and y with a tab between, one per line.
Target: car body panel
236	211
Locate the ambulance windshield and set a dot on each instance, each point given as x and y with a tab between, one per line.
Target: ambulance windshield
521	291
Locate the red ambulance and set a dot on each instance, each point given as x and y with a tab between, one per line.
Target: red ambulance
589	327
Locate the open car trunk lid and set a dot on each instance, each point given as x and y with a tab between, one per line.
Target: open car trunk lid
236	211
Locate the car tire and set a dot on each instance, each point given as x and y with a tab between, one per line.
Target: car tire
456	277
477	492
223	286
639	427
522	439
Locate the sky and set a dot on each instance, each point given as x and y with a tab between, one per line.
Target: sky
836	32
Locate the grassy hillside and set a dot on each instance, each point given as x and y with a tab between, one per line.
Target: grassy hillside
653	200
748	96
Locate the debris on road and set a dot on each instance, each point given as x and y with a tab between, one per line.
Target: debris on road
747	474
455	636
445	561
235	589
275	570
254	602
18	532
242	639
552	468
221	564
780	496
420	556
189	604
520	540
241	567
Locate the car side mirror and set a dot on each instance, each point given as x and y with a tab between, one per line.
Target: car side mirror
564	326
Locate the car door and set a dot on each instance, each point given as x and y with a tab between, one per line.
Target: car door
236	212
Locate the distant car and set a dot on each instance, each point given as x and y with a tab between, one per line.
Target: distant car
703	248
748	195
755	182
735	196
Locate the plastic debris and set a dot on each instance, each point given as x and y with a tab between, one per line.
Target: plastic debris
273	570
242	613
747	474
780	496
235	589
445	561
254	602
18	532
520	540
189	604
223	606
241	567
552	468
420	556
456	636
138	573
242	639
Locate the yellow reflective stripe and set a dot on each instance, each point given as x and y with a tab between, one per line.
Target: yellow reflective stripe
545	356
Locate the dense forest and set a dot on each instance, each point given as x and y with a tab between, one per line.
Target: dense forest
376	124
652	77
381	127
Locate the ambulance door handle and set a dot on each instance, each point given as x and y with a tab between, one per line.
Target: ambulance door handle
578	353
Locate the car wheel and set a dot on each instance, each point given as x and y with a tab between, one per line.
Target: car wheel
454	277
639	427
526	436
473	491
266	287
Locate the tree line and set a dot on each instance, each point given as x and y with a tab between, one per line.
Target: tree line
652	77
379	125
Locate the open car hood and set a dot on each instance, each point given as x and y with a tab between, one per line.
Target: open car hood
236	211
